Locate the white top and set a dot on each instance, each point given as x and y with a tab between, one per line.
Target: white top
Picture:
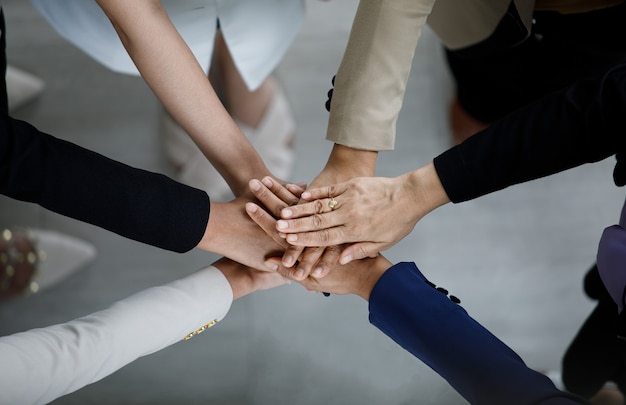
257	32
43	364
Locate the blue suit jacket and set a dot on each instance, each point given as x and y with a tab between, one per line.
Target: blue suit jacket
407	308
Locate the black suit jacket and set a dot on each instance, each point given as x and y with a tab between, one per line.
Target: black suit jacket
81	184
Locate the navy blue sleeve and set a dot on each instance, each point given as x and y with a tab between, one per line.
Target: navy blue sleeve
581	124
81	184
439	332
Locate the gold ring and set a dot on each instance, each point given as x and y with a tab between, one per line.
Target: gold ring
332	203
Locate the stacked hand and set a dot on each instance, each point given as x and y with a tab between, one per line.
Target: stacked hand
248	244
358	277
351	220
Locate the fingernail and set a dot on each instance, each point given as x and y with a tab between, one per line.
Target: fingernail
288	261
268	182
286	213
346	259
292	238
299	274
251	207
317	272
306	194
282	235
255	185
271	265
281	224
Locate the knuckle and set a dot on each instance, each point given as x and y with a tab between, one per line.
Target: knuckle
318	206
292	201
317	220
277	208
325	236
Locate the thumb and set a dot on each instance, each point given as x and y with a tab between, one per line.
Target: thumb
360	250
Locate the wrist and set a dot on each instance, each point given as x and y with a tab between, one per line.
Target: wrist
426	189
375	268
213	234
352	162
240	184
237	276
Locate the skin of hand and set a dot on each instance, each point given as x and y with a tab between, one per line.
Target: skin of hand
245	280
359	277
230	232
374	212
172	72
275	197
344	163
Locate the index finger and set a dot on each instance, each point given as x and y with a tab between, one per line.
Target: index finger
324	192
272	195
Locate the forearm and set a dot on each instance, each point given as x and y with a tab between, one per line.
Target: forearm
582	124
440	333
43	364
170	69
84	185
371	80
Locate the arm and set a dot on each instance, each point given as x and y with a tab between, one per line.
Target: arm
368	95
168	66
423	320
140	205
43	364
372	76
81	184
370	85
407	308
582	124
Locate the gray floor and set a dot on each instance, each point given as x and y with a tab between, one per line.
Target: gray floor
515	258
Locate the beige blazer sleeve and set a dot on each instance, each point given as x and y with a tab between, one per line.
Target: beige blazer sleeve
40	365
372	76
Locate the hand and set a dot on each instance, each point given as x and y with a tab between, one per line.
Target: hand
231	233
375	212
245	280
359	277
272	194
343	164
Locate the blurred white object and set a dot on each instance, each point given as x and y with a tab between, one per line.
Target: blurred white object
22	87
60	256
258	32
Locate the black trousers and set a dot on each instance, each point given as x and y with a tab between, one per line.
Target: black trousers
4	102
493	81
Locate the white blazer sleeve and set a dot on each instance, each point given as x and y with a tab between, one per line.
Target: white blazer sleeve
40	365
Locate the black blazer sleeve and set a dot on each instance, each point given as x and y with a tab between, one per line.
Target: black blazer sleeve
89	187
582	124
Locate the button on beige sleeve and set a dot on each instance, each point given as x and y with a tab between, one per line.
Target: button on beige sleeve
371	80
